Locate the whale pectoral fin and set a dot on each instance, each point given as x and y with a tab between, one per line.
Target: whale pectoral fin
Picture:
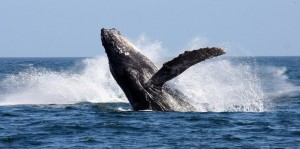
176	66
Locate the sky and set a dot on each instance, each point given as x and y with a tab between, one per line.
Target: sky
71	28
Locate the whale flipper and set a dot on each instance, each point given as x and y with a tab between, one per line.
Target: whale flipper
176	66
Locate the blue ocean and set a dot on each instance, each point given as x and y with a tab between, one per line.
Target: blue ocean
240	102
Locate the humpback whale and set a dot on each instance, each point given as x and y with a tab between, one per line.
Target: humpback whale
141	81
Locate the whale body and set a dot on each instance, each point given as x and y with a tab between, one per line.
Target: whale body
141	81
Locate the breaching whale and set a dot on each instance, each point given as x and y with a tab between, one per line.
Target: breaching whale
141	81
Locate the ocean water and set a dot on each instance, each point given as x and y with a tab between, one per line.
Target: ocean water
240	102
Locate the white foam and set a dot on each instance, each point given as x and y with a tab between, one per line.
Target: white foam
219	85
123	109
41	86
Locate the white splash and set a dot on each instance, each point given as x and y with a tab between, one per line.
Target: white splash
275	81
219	85
41	86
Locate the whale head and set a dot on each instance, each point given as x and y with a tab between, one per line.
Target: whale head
130	68
116	46
123	55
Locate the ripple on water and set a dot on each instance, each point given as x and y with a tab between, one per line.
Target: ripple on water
232	138
8	115
11	138
296	133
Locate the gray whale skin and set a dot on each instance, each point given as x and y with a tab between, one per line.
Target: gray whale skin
143	84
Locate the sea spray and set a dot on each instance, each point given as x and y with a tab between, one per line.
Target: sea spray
275	81
93	83
219	85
